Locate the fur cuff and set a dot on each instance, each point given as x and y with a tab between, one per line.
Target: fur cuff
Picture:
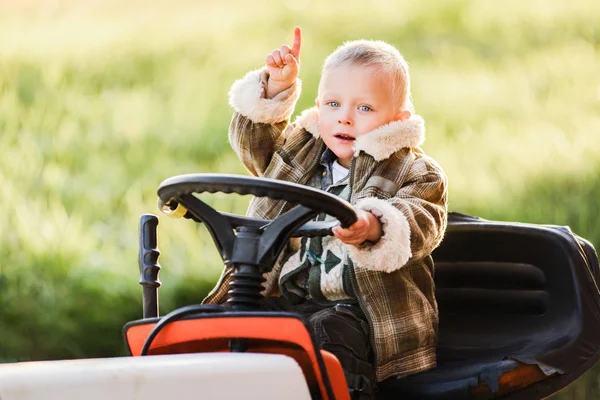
247	97
392	251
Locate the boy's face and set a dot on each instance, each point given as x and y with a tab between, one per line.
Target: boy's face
353	100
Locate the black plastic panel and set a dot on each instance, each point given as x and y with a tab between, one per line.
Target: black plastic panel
509	291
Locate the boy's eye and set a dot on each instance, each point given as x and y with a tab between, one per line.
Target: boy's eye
365	108
333	104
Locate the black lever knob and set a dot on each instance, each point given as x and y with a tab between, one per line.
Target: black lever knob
149	266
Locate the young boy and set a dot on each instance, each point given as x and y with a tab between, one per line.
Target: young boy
368	292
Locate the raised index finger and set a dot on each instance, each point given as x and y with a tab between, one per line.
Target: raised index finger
297	43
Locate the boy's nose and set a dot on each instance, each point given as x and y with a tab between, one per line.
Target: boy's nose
345	119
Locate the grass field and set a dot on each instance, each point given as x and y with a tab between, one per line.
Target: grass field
102	100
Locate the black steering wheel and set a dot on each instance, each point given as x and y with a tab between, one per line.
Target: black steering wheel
176	198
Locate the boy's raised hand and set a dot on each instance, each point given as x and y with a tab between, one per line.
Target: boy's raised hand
284	66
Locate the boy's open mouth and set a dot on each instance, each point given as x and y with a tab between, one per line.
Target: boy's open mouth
344	136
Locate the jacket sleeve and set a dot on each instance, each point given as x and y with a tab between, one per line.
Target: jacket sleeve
413	220
256	129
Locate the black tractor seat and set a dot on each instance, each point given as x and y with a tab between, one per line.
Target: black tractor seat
519	313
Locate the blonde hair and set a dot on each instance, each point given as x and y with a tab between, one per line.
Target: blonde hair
382	56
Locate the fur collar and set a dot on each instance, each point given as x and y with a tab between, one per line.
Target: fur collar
380	143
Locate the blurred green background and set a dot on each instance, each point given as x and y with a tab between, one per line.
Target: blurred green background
102	100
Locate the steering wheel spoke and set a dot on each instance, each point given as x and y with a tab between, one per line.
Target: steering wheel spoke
277	233
218	225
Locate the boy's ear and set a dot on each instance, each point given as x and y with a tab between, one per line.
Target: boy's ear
317	102
402	115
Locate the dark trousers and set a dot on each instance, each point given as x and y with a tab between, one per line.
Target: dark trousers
342	330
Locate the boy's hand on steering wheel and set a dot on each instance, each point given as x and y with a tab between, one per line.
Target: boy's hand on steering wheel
284	66
366	227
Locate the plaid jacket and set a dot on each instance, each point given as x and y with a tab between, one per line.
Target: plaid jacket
391	177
